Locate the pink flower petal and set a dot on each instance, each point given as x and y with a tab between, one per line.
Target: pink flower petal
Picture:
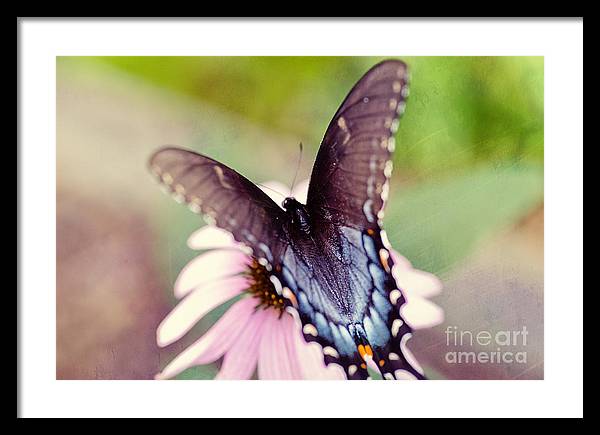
215	342
410	358
277	355
198	303
240	360
399	260
290	333
209	237
267	358
310	359
418	282
424	284
265	369
208	267
310	356
421	313
334	372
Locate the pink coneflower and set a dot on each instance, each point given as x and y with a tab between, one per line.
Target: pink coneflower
256	334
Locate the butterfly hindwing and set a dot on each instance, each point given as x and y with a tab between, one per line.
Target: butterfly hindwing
223	196
351	308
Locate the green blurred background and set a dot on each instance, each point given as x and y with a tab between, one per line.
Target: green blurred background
466	199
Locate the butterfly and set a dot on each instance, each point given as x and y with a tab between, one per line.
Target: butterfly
329	258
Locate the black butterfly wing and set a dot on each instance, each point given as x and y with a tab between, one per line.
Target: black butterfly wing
349	178
224	197
345	295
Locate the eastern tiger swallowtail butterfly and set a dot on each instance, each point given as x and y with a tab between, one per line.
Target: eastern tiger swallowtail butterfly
330	258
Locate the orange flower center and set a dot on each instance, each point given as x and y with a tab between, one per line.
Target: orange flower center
262	288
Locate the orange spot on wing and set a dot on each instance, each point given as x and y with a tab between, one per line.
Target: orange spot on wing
365	351
361	350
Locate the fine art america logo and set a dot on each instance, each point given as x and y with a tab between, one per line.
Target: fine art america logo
486	347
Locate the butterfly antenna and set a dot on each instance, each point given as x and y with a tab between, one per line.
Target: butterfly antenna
271	189
297	168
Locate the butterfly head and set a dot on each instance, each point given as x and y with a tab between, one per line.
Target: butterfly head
297	213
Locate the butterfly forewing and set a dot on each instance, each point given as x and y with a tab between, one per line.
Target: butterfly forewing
349	178
225	197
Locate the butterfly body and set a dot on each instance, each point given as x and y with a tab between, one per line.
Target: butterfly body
298	215
329	258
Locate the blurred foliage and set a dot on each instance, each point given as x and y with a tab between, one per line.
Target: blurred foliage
436	224
206	372
462	110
